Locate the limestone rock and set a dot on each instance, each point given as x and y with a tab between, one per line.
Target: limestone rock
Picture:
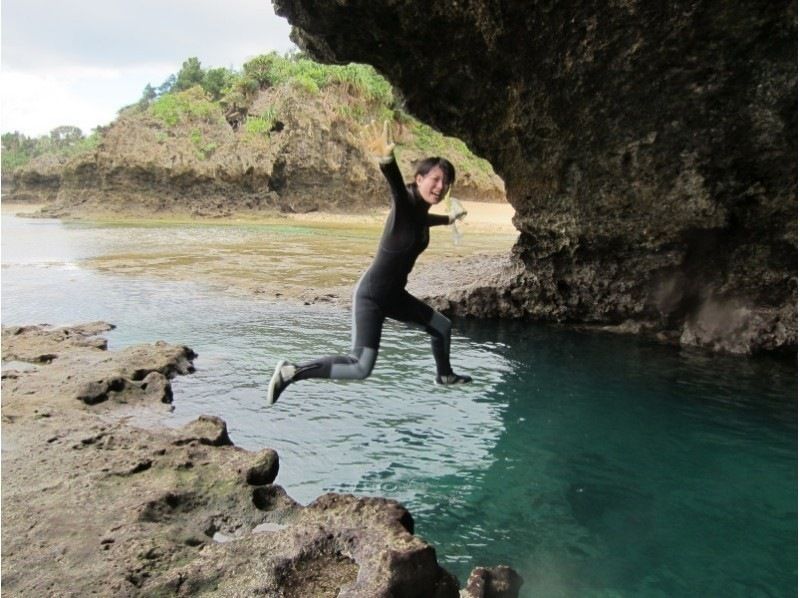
206	429
75	365
497	582
650	150
310	162
177	512
265	469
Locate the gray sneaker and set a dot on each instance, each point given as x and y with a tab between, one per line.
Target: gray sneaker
453	379
277	383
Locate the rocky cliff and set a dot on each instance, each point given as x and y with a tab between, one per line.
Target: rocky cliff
93	505
649	149
37	182
308	157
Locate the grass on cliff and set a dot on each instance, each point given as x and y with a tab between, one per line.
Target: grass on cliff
273	70
371	97
187	106
187	103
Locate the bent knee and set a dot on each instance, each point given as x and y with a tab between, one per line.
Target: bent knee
360	372
440	324
359	366
366	361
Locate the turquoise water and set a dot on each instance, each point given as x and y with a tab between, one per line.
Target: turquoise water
595	465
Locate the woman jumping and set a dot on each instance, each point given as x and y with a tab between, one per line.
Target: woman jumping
381	292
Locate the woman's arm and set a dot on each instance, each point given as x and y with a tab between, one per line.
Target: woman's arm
381	145
391	171
438	220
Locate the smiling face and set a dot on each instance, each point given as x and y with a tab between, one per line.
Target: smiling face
433	186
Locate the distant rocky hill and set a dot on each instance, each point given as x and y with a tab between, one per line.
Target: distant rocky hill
292	148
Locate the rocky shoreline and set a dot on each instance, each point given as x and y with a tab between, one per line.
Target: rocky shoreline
649	151
96	505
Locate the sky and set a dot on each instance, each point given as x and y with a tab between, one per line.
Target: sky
77	62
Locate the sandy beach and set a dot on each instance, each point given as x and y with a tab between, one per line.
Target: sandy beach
313	258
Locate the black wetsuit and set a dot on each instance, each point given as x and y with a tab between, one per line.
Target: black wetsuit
381	292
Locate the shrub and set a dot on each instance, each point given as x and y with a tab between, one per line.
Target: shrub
261	125
203	149
259	69
431	142
216	81
18	149
362	79
191	74
257	125
305	82
191	105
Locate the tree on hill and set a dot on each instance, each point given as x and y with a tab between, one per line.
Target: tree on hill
166	86
216	81
148	95
191	74
65	135
18	149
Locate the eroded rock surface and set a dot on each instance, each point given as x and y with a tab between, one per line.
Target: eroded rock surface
94	505
311	161
649	149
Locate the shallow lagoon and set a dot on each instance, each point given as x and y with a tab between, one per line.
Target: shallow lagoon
596	465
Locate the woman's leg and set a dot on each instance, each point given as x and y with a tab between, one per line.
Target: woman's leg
410	310
357	365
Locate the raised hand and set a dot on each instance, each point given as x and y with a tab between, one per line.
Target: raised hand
379	142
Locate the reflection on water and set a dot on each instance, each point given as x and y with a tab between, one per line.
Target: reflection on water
596	465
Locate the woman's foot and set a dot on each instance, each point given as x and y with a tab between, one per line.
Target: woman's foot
281	377
453	379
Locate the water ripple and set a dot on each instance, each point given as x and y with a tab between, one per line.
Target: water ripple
594	464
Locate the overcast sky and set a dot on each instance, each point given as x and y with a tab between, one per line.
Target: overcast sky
76	62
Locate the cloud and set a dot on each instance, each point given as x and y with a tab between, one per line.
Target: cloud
119	33
37	102
79	62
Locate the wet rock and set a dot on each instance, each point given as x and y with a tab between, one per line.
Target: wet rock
206	429
265	469
43	343
274	500
180	512
649	150
98	391
73	363
156	387
497	582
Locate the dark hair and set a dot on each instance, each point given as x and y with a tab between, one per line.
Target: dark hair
428	164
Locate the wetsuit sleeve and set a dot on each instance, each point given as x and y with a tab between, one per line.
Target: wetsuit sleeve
392	173
438	219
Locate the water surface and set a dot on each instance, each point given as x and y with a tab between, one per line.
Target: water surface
596	465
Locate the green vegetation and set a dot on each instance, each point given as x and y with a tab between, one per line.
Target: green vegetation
272	70
194	98
430	141
190	106
226	90
18	149
203	149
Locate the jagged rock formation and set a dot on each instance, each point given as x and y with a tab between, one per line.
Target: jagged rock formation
94	505
649	149
311	159
38	182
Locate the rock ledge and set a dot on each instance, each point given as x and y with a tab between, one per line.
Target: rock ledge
95	505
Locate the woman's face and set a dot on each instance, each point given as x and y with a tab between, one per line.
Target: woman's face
432	186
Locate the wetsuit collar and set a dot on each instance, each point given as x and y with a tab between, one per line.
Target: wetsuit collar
418	201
